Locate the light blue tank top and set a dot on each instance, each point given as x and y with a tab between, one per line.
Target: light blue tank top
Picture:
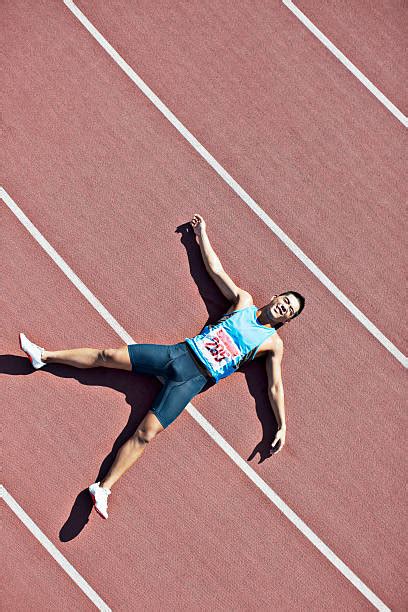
224	346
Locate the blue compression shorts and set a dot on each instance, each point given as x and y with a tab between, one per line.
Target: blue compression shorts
184	376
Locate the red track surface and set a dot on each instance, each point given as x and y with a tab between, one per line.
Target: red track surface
297	130
30	577
107	180
372	36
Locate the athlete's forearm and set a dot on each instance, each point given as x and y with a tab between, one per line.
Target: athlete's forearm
210	258
277	399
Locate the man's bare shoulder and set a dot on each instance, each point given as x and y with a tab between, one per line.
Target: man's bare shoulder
244	300
276	344
273	345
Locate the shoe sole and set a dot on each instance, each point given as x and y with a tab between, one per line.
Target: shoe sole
96	509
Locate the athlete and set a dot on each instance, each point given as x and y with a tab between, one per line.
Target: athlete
243	333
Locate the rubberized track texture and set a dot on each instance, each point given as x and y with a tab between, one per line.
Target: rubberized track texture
107	179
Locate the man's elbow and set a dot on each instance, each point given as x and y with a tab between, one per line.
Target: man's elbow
215	265
276	390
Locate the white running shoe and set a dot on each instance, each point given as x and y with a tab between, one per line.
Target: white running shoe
32	351
100	499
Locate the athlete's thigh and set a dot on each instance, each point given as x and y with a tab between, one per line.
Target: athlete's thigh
150	358
174	397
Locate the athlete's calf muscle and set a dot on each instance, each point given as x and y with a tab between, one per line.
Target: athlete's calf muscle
90	358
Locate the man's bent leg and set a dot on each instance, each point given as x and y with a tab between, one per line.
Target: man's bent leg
132	449
91	358
169	403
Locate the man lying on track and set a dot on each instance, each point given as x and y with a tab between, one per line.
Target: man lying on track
244	332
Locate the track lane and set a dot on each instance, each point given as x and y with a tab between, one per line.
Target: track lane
372	36
290	124
387	491
184	516
106	257
30	577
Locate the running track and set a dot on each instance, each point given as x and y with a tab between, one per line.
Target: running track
107	180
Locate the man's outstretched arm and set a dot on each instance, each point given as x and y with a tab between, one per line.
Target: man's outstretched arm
213	265
275	392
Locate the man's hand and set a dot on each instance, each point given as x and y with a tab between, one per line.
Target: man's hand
279	441
198	224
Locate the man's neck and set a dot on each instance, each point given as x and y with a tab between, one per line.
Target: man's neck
264	318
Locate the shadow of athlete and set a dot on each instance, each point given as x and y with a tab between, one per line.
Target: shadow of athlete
243	333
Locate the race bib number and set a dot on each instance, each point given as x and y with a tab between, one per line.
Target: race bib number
219	348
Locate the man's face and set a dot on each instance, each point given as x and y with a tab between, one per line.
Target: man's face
283	307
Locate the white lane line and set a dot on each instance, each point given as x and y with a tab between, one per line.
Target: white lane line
346	62
237	188
198	417
54	552
61	263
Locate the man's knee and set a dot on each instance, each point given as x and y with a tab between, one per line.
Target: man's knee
144	435
105	355
114	358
